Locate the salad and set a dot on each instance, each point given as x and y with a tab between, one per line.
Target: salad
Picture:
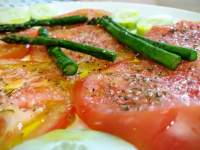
90	79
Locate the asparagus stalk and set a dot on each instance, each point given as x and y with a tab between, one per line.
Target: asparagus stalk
66	64
47	41
43	32
186	53
69	20
159	55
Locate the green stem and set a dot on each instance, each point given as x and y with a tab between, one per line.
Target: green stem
186	53
159	55
69	20
47	41
66	64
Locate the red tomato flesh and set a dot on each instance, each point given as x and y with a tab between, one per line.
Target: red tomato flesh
144	103
34	99
16	51
13	51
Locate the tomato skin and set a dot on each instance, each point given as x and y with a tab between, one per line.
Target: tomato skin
63	120
2	125
55	119
183	132
147	130
171	127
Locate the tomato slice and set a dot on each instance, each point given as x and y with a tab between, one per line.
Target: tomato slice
57	117
90	13
34	100
29	32
2	125
16	51
85	34
13	51
151	107
39	54
176	34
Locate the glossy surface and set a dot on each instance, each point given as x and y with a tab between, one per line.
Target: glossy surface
183	33
31	94
40	88
144	103
13	51
88	65
164	106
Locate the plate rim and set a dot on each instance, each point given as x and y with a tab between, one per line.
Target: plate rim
131	3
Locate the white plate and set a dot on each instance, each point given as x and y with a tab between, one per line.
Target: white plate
146	10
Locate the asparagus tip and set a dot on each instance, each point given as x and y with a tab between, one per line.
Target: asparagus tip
193	56
70	70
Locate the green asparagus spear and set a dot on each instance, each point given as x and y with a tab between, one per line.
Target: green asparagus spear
47	41
186	53
66	64
43	32
69	20
159	55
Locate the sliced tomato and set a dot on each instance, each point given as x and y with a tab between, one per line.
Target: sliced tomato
57	117
34	100
29	32
83	34
176	34
13	51
2	125
90	13
39	54
151	107
16	51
